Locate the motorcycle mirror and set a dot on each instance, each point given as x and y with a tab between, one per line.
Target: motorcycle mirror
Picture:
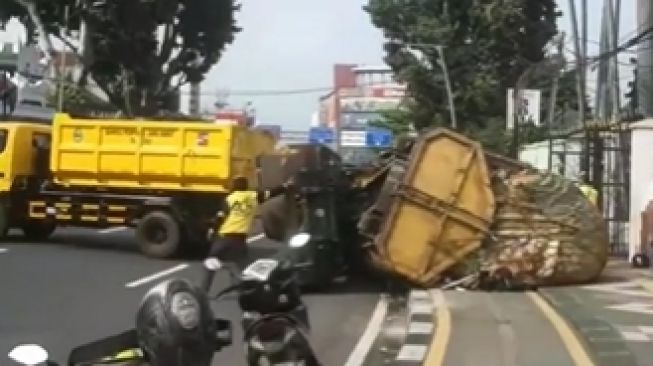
212	264
29	354
299	240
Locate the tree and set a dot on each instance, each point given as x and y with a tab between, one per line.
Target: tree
135	49
394	120
488	45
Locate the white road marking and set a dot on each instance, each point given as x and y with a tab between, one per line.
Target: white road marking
634	336
157	275
112	230
420	328
358	354
420	295
3	250
254	238
424	308
621	288
412	352
633	307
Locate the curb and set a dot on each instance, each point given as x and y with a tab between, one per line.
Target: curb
420	329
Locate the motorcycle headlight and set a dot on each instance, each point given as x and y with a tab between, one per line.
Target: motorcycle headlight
186	309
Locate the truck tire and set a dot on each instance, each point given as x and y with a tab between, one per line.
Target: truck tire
4	218
158	235
38	230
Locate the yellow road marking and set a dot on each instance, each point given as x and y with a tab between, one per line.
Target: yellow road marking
574	346
440	341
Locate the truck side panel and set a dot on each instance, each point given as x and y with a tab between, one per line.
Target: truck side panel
152	155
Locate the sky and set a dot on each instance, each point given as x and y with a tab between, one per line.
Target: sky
293	44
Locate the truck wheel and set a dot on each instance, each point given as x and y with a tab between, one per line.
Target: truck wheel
38	230
158	235
4	218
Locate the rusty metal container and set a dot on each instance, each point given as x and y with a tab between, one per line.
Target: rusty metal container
435	209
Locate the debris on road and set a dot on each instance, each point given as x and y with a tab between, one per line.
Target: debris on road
450	210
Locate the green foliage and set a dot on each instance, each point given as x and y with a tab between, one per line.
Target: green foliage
394	120
488	45
566	98
122	53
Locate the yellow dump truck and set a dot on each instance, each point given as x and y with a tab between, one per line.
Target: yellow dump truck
165	178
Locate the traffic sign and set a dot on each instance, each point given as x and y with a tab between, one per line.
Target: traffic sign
352	138
378	138
321	135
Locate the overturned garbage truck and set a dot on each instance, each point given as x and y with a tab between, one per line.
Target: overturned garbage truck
440	209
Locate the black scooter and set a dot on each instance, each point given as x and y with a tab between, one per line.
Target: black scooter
274	318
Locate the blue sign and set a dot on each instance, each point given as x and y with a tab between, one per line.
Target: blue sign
321	135
378	138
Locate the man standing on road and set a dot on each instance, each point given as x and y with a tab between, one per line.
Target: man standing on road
239	212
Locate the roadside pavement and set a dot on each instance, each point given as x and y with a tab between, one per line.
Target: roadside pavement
613	317
606	323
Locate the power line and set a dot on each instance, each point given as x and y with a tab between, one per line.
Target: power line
313	90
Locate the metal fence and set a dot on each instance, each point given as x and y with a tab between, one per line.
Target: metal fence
609	173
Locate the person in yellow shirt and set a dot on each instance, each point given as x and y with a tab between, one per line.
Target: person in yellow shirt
589	192
586	189
239	210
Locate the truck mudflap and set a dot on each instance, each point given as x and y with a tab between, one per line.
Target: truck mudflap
433	211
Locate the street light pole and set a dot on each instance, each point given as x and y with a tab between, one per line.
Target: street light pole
443	65
445	73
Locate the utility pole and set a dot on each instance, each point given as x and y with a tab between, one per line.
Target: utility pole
553	98
62	63
443	65
580	81
614	11
645	59
194	99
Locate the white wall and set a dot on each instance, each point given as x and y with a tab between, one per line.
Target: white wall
537	155
641	177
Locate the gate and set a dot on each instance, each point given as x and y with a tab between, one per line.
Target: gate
609	173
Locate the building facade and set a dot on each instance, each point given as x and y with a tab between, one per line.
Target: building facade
359	97
360	94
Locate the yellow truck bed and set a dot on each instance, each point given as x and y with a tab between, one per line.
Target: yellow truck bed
439	208
153	155
451	210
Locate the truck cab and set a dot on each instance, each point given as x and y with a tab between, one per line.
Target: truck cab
24	161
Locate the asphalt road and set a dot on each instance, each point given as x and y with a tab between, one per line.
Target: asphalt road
86	285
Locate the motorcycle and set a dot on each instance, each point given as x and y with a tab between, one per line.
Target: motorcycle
174	326
274	318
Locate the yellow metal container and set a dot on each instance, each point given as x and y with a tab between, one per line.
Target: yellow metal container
153	155
441	207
